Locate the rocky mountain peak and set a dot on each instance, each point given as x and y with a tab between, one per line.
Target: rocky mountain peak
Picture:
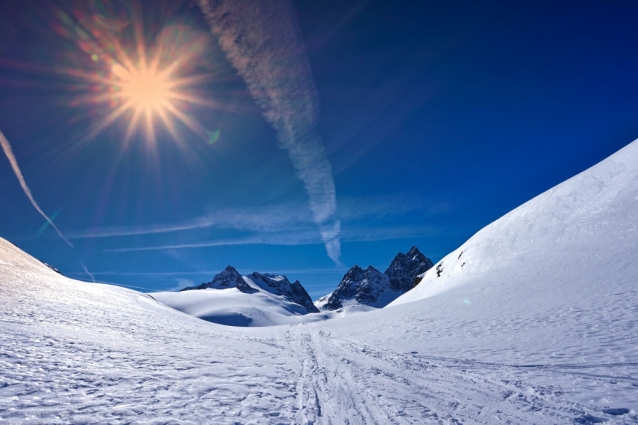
362	286
405	267
277	285
228	278
280	285
376	289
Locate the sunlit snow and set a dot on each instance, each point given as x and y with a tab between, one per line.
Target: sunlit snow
532	320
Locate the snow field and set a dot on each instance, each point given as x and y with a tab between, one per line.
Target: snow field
533	320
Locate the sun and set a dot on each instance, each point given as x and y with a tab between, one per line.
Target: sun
145	90
145	86
149	93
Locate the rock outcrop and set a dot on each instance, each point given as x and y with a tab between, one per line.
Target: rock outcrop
229	278
372	288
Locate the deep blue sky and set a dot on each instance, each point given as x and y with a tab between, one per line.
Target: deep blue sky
438	117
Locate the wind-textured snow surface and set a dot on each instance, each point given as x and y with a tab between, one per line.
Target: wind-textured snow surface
539	326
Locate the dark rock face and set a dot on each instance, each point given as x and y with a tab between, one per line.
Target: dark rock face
405	267
280	285
53	268
364	286
229	278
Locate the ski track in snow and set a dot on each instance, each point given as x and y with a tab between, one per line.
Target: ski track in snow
64	360
348	382
154	372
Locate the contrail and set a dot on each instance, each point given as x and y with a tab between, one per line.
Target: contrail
88	272
263	42
6	147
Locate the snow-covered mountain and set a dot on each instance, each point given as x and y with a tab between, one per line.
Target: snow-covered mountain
375	289
229	278
534	320
280	285
253	300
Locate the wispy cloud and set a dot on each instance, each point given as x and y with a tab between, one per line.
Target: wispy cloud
366	219
301	237
276	218
181	284
263	42
208	272
255	219
6	147
297	238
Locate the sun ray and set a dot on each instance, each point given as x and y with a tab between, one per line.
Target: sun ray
144	84
189	122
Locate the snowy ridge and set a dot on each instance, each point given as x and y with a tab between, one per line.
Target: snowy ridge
228	278
280	285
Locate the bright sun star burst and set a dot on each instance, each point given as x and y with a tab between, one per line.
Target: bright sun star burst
146	90
150	93
140	85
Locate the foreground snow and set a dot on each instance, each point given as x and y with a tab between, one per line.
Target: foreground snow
526	331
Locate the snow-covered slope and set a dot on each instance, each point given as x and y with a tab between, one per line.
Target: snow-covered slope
253	300
545	333
577	240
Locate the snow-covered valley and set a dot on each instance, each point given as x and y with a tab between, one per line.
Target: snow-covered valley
533	320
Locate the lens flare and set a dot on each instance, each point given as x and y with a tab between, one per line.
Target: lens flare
146	90
124	79
149	93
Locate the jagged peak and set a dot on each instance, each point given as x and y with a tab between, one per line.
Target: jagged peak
413	251
231	269
405	267
370	286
